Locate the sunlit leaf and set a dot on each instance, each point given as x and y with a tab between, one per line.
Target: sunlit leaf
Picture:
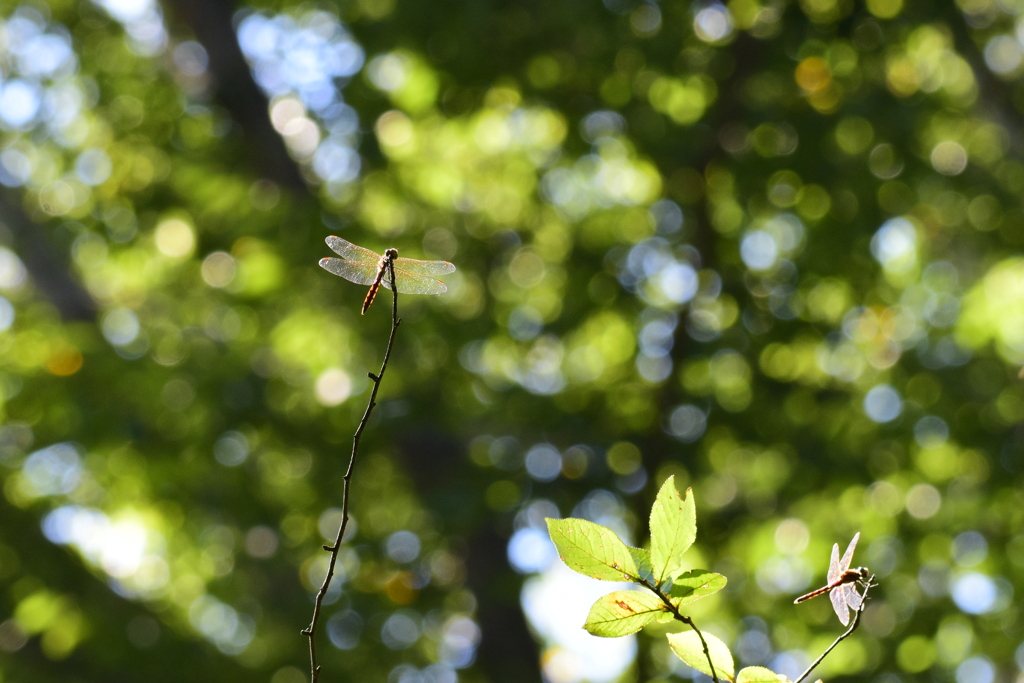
694	585
759	674
622	612
688	647
664	617
592	550
642	559
673	528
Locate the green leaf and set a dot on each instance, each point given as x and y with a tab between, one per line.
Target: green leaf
622	612
694	585
664	617
688	648
758	674
642	559
592	550
673	528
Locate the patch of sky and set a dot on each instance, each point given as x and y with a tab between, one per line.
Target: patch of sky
894	245
882	403
53	470
311	57
767	244
663	275
978	669
601	124
758	250
667	216
6	314
143	21
530	550
974	593
222	624
687	423
543	462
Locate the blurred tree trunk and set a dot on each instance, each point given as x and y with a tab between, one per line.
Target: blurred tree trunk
508	652
234	88
46	266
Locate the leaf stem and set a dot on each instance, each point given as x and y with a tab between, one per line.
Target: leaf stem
853	626
333	549
684	619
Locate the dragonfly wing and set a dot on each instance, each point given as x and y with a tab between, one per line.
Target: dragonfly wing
414	284
834	572
352	252
853	596
838	597
433	269
844	563
359	273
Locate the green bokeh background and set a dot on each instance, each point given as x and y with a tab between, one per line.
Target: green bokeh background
771	248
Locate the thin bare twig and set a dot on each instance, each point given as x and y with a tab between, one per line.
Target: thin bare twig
333	549
685	619
853	626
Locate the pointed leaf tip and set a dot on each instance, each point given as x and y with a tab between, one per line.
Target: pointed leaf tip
673	525
694	585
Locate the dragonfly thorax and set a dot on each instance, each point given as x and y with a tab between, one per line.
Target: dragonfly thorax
851	575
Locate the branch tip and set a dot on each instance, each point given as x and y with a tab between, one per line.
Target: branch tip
868	585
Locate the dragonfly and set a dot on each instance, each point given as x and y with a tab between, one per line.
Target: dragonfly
842	583
365	267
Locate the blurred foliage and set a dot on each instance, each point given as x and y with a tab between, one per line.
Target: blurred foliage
771	248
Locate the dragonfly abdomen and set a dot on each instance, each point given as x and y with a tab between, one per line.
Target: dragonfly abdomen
848	576
371	295
382	268
816	593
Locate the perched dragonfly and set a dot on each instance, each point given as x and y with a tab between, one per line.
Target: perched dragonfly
365	267
842	583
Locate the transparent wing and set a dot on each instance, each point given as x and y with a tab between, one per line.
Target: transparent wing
351	252
408	283
853	596
427	268
844	563
359	273
838	597
834	572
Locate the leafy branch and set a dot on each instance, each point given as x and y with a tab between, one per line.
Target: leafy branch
596	551
334	548
679	616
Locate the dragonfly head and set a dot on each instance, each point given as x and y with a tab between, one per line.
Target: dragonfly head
391	254
863	572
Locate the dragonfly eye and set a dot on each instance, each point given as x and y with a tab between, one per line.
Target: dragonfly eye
391	253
